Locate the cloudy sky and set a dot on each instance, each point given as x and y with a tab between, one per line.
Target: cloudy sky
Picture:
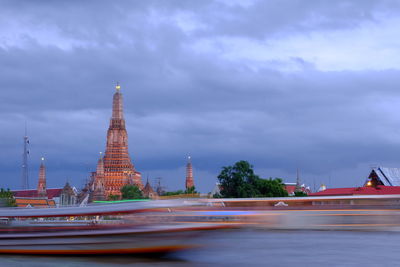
284	84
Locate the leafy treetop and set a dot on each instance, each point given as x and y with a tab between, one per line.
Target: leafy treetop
7	197
240	181
131	192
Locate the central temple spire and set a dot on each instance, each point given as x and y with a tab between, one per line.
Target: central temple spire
118	167
118	112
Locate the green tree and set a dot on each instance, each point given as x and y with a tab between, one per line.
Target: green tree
191	190
7	197
131	192
271	188
240	181
300	194
174	193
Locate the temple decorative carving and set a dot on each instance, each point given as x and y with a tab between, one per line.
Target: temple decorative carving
68	196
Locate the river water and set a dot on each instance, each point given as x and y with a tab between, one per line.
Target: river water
256	248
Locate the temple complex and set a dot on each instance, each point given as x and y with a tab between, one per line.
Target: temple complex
43	196
116	168
189	175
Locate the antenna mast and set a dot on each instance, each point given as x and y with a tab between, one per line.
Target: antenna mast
25	181
160	189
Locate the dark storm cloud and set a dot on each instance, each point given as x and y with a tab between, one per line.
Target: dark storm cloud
60	60
284	17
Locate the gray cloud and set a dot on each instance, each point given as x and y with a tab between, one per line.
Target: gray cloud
59	62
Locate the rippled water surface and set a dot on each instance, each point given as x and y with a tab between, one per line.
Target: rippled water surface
256	248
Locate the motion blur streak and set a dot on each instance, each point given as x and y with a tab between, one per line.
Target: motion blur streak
165	226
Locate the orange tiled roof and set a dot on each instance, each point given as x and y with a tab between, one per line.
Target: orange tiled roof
34	202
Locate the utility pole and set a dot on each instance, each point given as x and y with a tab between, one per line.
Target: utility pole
298	185
25	180
159	189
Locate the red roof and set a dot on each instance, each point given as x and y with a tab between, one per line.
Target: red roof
291	188
366	190
51	193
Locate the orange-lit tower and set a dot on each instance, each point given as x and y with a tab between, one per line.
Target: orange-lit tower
98	183
189	174
118	168
41	189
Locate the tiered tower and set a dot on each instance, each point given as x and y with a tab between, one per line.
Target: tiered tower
98	183
118	168
189	174
41	189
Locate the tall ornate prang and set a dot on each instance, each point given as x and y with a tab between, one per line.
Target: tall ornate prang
98	183
42	189
189	174
118	168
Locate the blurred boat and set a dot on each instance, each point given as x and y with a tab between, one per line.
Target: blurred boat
127	240
100	229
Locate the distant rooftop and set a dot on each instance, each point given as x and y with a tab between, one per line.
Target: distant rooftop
365	190
33	193
388	176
